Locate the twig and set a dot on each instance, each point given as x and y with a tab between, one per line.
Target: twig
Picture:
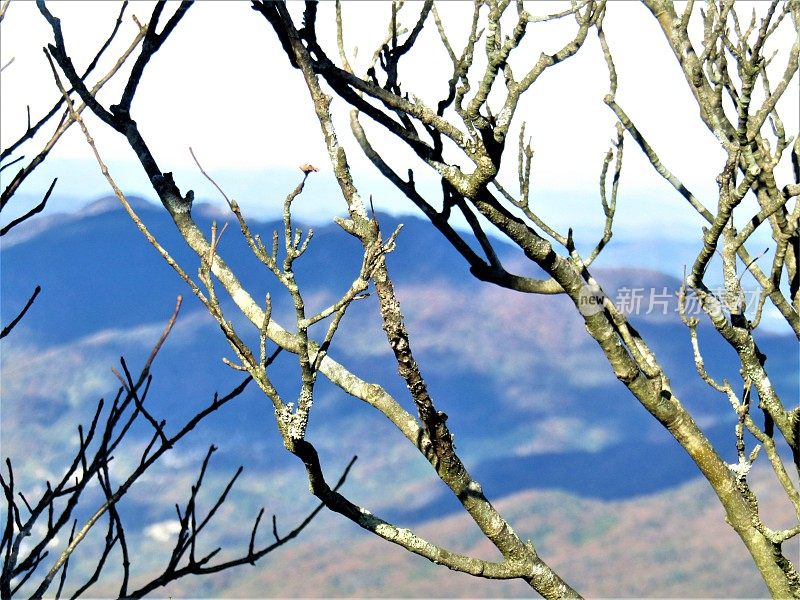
7	329
35	210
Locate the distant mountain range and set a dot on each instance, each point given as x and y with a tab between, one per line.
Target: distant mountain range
531	400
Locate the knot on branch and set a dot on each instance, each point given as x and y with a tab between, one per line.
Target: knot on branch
170	195
122	115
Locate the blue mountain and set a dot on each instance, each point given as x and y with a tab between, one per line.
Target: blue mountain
531	400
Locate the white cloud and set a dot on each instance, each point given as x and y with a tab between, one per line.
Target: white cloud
162	531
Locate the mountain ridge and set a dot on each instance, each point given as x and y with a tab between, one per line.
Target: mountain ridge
531	399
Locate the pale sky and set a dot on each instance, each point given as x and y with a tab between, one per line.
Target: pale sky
222	85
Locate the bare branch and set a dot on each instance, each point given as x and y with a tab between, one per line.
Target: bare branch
35	210
32	130
11	188
8	328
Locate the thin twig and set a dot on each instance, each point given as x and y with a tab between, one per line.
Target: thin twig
7	329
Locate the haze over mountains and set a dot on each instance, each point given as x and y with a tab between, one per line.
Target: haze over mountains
531	400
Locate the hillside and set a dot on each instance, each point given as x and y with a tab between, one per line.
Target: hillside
671	545
531	400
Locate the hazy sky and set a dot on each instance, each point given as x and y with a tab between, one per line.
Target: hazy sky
222	85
